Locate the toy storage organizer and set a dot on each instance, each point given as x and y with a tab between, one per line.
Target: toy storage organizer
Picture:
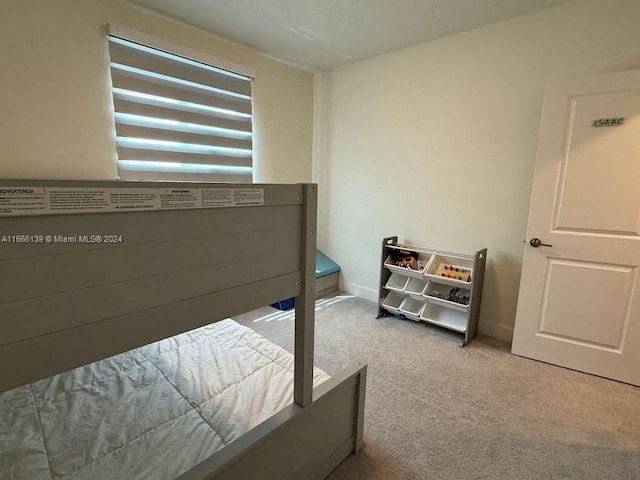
438	288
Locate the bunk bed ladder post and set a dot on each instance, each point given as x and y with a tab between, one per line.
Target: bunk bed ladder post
305	302
358	427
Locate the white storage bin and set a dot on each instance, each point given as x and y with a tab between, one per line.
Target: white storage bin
444	317
411	307
392	301
397	282
415	286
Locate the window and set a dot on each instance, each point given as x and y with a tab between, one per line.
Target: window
178	118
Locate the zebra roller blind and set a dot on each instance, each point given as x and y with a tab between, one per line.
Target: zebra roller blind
177	118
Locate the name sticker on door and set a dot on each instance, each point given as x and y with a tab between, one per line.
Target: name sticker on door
608	122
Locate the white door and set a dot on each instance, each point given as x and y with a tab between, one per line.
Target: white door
579	301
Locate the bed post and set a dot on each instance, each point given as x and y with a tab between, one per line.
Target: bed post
305	302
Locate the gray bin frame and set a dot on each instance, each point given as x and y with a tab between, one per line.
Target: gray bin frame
479	259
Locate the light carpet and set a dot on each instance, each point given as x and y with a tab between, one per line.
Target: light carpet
439	412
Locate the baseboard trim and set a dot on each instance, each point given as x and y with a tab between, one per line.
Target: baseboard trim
496	330
360	291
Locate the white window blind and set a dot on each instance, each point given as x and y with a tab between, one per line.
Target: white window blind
177	118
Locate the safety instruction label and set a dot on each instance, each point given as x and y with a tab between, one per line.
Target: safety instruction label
214	197
21	201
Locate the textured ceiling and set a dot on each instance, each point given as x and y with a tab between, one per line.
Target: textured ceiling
319	34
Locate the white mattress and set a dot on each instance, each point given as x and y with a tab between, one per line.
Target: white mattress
151	413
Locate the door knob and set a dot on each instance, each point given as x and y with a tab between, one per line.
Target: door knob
536	242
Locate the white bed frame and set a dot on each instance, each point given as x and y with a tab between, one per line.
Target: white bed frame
63	305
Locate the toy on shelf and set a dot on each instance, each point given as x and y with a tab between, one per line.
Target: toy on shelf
453	271
458	296
406	259
455	295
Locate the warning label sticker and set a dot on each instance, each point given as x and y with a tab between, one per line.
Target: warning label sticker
70	199
133	199
217	198
248	197
232	197
20	201
175	198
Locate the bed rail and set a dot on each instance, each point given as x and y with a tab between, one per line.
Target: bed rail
92	269
297	443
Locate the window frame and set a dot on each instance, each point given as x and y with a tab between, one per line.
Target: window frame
210	168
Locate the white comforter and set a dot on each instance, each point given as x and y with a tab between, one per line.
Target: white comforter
151	413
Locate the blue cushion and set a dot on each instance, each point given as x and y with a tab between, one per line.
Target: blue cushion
324	265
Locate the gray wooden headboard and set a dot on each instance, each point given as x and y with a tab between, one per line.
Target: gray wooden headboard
67	303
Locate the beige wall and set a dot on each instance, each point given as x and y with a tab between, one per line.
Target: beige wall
55	106
436	143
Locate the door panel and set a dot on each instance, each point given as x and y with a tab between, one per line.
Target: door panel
599	187
588	319
579	300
